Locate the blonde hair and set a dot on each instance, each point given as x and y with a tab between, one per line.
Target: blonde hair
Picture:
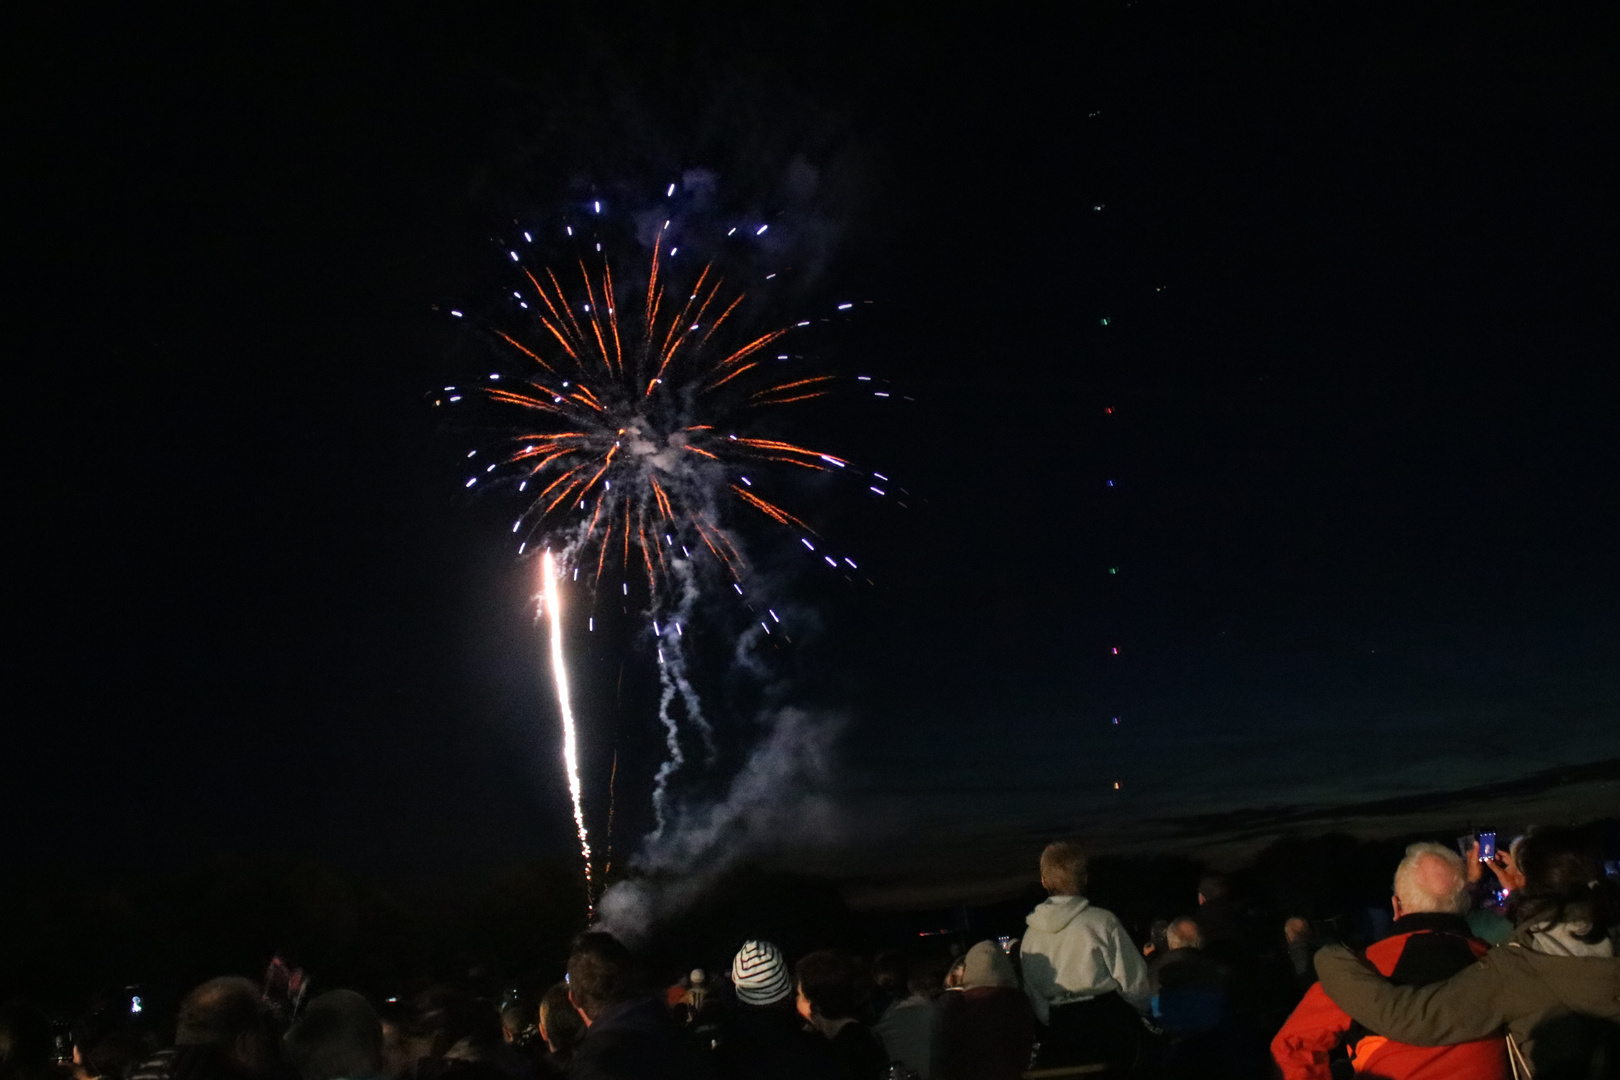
1432	878
1063	868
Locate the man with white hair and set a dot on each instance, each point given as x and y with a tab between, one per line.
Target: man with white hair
1190	987
1429	942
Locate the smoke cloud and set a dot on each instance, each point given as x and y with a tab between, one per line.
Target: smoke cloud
778	801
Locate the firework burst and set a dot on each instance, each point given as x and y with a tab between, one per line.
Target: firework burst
635	393
639	402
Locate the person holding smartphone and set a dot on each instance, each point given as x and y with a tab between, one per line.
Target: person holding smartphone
1554	988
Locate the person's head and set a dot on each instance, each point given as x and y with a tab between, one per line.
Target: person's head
930	971
890	972
1564	886
1430	879
228	1015
1183	933
987	965
1213	887
759	974
560	1025
447	1015
338	1036
514	1021
1063	869
601	974
25	1039
407	1037
829	985
115	1053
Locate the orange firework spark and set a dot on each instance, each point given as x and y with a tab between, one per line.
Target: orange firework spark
641	409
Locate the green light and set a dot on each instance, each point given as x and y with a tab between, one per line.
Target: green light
1104	321
1113	569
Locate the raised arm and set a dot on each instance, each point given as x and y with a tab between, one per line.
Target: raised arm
1464	1007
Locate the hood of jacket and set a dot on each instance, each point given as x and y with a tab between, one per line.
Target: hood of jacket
1056	912
1585	984
987	965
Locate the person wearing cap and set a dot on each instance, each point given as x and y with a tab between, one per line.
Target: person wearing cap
763	1037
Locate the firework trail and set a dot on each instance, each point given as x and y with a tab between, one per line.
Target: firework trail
552	607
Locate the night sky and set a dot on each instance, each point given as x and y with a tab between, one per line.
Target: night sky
1358	272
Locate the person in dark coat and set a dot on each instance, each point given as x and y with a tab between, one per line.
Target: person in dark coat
221	1034
830	994
987	1027
1191	990
338	1037
763	1037
629	1034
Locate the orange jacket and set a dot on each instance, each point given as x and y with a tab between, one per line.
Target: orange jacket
1422	949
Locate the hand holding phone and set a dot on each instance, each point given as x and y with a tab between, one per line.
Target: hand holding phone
1507	871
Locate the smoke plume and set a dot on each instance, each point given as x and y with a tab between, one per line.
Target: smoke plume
778	801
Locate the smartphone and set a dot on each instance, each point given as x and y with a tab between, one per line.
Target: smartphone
1487	846
61	1045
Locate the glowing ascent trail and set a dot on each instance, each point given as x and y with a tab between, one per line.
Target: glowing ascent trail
559	672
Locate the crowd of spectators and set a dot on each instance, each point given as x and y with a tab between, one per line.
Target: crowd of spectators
1505	967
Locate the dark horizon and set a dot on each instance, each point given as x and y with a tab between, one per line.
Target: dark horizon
1356	390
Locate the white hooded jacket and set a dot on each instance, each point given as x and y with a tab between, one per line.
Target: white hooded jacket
1075	952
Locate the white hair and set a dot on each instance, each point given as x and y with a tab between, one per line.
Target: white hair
1184	934
1432	878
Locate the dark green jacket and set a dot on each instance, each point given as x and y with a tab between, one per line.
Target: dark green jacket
1553	1006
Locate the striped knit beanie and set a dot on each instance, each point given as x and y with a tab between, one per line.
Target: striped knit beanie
760	974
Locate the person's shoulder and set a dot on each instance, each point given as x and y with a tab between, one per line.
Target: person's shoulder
157	1067
1100	917
1384	952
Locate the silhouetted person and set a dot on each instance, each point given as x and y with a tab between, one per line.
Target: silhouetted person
1300	942
909	1029
338	1037
987	1025
1082	973
891	977
1220	919
561	1028
830	992
467	1042
220	1035
629	1034
1190	987
25	1043
763	1036
407	1038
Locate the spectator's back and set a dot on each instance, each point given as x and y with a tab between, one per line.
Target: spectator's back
987	1028
629	1035
763	1037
